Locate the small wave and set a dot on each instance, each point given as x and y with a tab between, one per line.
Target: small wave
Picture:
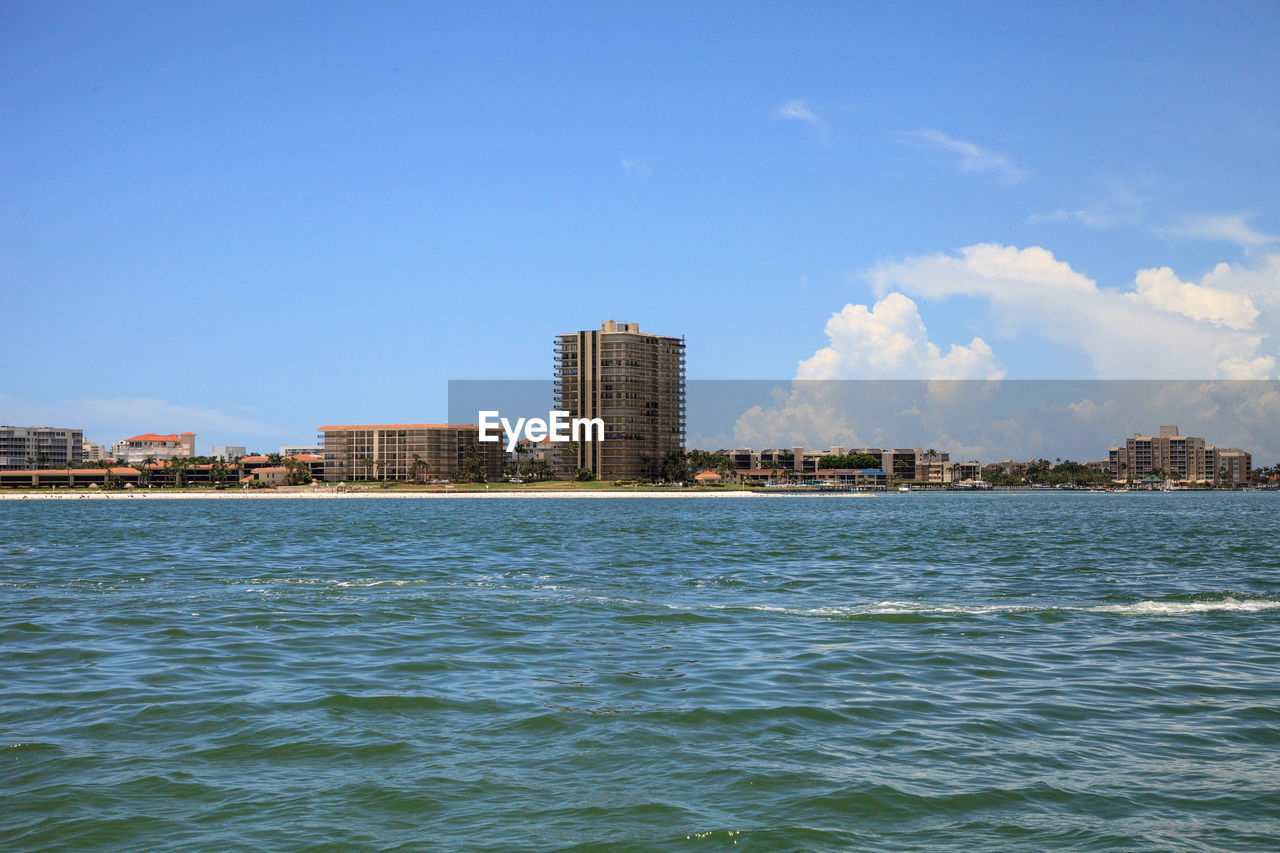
1178	608
908	608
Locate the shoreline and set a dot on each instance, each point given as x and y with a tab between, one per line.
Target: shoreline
379	495
370	495
497	494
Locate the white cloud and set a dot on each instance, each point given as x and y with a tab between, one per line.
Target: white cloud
1160	288
889	340
802	418
1162	330
798	110
966	156
1230	227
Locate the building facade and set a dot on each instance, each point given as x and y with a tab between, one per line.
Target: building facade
406	452
228	452
634	382
46	447
910	464
1228	465
1178	457
137	449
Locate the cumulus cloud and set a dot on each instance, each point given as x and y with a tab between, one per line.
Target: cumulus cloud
1162	329
889	340
804	415
966	156
1160	288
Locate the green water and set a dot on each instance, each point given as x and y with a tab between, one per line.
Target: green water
909	672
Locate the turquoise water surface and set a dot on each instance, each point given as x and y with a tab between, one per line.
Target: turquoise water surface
909	672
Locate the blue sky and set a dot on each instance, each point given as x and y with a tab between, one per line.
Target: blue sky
248	221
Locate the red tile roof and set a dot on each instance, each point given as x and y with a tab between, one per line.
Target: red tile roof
115	469
151	436
255	459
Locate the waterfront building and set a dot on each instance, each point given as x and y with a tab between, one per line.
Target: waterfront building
1179	457
228	452
406	451
528	450
1228	465
92	452
313	461
46	447
249	464
301	450
864	479
634	382
137	449
81	477
910	464
271	475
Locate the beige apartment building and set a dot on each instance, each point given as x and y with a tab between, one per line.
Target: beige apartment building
1229	464
1181	457
136	450
394	451
633	382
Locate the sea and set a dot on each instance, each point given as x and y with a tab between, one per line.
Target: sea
993	671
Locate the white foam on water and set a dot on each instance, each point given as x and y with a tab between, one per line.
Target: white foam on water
1179	608
909	608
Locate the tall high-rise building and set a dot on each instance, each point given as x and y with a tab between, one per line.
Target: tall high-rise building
633	382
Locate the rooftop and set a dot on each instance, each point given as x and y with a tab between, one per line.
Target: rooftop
399	426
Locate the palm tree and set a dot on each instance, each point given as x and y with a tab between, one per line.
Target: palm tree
367	463
418	470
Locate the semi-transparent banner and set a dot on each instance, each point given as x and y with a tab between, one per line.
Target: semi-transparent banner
969	419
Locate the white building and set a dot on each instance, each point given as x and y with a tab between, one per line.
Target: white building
301	450
137	449
228	452
92	452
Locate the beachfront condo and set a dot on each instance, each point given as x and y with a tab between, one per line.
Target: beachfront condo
634	382
405	451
